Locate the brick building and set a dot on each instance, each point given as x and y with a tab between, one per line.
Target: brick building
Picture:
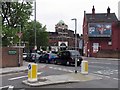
101	34
62	38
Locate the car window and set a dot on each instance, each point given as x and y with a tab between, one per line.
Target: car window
46	55
75	53
66	53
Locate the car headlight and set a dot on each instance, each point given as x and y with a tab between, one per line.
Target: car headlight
78	60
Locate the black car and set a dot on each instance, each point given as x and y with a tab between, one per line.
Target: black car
67	57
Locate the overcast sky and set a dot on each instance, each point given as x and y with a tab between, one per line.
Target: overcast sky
50	12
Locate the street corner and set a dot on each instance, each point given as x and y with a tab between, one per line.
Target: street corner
84	77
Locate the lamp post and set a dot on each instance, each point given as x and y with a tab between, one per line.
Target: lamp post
75	43
19	35
35	48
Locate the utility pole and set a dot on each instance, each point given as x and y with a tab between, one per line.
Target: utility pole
35	47
75	43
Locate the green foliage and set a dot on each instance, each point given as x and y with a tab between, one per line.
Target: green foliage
15	17
29	34
15	13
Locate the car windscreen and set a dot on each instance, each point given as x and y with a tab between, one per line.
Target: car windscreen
74	53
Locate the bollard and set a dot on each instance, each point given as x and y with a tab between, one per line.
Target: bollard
32	72
84	67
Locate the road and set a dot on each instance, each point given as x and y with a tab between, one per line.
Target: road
106	69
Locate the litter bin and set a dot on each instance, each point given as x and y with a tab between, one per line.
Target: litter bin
84	67
32	72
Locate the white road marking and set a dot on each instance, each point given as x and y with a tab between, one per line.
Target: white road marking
8	86
55	68
96	66
59	68
22	77
65	70
115	78
70	71
100	63
51	67
107	76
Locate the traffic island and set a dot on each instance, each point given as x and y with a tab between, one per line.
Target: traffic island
60	79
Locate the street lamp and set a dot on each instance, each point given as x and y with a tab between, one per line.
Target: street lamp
19	35
75	43
35	48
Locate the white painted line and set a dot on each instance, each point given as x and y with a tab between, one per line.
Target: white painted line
70	71
22	77
59	68
8	86
55	68
50	67
99	63
107	76
115	78
4	87
96	66
17	78
97	74
65	70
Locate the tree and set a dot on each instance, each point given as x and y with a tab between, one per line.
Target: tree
29	34
14	14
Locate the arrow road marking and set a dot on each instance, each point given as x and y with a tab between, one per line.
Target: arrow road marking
22	77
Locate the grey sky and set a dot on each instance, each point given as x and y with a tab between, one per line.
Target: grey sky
50	12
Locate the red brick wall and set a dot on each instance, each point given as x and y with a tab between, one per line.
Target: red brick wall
102	41
10	60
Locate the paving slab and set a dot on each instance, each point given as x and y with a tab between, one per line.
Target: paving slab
60	79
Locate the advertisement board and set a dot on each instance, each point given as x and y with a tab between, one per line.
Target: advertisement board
99	29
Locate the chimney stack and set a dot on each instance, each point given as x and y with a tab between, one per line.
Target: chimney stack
108	11
93	11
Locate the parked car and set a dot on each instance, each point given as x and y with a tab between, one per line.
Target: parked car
48	58
33	57
67	57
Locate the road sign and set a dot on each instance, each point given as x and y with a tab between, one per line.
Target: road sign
29	66
19	34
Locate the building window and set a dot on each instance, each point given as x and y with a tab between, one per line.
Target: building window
95	47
